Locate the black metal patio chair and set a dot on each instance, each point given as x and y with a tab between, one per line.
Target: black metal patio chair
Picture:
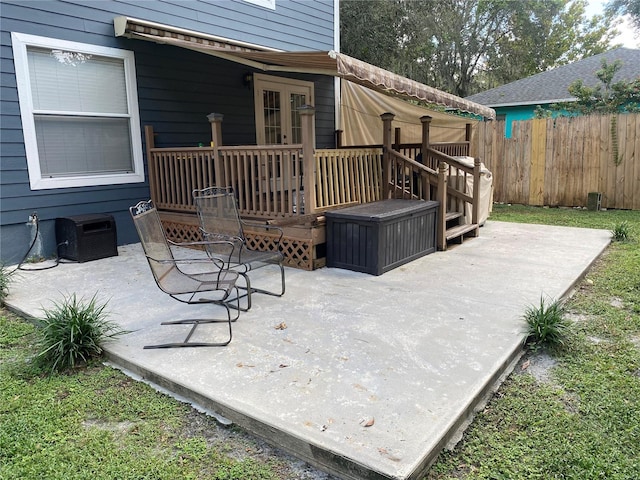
209	282
220	222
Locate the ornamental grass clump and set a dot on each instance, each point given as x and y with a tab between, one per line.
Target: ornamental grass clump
5	280
621	232
73	332
546	325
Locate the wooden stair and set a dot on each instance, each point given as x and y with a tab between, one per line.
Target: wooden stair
455	231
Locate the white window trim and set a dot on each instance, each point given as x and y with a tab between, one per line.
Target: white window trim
20	42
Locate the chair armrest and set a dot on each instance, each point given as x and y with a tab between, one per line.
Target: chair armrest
176	261
196	244
205	244
229	238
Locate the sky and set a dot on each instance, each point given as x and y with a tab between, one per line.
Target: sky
628	38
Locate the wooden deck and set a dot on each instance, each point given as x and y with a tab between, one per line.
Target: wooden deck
293	185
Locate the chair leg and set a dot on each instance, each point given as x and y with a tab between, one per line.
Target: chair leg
246	295
268	292
251	290
195	322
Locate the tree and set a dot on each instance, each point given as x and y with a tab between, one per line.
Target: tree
606	96
546	34
463	46
456	38
626	7
373	31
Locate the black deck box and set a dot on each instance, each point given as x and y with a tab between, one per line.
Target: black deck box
380	236
86	237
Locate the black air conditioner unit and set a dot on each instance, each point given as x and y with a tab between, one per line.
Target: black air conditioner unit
86	237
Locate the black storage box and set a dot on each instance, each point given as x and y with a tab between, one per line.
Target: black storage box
86	237
380	236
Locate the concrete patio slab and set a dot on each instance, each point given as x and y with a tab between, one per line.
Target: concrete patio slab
362	376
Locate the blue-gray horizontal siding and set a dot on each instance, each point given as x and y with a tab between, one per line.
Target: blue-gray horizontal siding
177	88
293	25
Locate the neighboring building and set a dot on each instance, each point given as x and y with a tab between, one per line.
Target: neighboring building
80	80
518	100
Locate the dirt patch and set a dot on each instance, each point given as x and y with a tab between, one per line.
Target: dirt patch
576	317
238	444
616	302
539	365
119	427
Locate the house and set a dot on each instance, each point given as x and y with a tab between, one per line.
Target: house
518	100
81	81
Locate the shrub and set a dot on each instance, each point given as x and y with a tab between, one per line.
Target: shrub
621	231
73	331
546	324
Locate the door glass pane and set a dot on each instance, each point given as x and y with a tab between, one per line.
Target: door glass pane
296	100
272	117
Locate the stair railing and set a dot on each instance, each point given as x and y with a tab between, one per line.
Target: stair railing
450	185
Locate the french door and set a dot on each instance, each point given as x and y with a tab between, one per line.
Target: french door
277	101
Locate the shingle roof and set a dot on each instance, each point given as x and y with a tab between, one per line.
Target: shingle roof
552	86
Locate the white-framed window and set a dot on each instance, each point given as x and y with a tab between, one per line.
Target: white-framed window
277	101
79	110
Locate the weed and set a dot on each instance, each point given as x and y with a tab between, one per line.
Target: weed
546	324
621	231
73	332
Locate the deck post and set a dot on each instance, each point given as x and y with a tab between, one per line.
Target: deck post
216	141
426	125
307	116
468	133
441	239
475	208
387	118
149	138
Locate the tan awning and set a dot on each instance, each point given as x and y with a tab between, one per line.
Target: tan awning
361	107
313	62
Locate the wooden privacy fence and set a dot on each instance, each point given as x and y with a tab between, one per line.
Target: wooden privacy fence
558	162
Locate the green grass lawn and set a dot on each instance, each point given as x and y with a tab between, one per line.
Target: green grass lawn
96	423
582	421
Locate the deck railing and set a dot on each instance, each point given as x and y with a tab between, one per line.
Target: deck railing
346	176
414	151
175	172
267	179
288	181
453	184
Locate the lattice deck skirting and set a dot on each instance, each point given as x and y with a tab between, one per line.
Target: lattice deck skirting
299	252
